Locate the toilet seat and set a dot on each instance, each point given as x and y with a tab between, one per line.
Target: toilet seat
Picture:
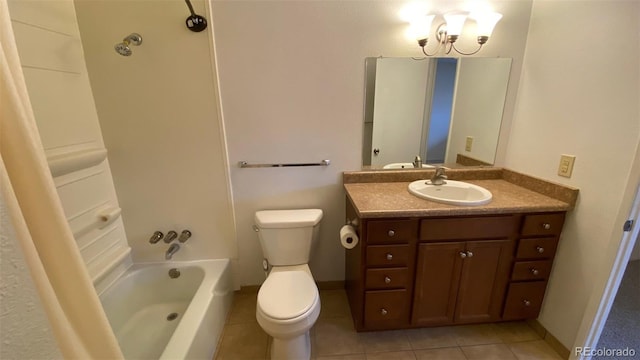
288	294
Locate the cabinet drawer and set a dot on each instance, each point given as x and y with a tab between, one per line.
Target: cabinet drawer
385	306
391	231
387	255
542	248
543	224
524	300
531	270
387	278
489	227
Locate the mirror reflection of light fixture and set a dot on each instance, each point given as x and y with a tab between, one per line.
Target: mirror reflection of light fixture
448	32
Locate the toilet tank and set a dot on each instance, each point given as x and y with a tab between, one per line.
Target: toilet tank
287	237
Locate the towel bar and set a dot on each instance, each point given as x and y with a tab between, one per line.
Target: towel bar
244	164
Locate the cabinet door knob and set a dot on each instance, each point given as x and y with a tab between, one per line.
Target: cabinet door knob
469	253
546	226
389	256
383	311
463	254
539	249
391	233
387	280
526	302
535	271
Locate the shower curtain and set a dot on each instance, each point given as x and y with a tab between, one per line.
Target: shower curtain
69	299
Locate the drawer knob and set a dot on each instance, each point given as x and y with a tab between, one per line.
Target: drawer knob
546	226
389	256
383	311
469	253
539	249
526	302
391	233
387	280
463	254
535	271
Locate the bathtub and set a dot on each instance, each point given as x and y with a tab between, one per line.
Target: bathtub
158	316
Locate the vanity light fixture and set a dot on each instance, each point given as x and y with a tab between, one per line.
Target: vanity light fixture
448	32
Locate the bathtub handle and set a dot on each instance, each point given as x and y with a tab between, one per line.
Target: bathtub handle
184	236
156	237
170	236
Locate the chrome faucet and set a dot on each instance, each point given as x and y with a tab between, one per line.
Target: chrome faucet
156	237
439	177
171	250
184	236
417	162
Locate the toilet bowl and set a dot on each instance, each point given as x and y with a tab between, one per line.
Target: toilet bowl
288	305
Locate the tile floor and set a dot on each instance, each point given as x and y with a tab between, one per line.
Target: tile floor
334	337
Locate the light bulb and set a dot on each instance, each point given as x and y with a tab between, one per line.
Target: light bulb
421	26
455	22
486	22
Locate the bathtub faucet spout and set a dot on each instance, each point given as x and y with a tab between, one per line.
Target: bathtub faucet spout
172	250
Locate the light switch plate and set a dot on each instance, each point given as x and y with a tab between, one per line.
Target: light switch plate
469	143
566	165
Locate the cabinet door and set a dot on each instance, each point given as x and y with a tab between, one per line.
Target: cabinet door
483	283
437	280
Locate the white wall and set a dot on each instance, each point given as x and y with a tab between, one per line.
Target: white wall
577	97
51	55
481	86
159	116
25	332
292	80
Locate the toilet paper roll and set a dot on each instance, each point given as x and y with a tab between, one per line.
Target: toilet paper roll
348	237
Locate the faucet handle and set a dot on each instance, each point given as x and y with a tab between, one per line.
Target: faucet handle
184	236
170	236
156	237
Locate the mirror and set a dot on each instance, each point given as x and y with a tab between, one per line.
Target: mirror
447	110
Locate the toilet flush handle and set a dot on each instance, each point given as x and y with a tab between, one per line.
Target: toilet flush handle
255	228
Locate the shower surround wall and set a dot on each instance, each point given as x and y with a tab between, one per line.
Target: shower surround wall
50	51
159	117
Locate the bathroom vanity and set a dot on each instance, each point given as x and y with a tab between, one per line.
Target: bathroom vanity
419	263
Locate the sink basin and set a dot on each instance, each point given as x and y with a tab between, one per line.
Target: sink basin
406	165
453	192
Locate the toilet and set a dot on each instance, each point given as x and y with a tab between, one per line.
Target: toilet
288	301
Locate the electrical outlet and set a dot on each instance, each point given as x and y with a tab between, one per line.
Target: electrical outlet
469	143
566	165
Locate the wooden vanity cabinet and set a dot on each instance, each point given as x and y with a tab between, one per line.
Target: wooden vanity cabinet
417	272
462	281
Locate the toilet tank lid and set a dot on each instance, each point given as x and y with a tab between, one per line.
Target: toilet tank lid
280	219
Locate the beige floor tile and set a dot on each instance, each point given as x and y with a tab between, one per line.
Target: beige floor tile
511	332
533	350
429	338
380	341
487	352
394	355
334	303
243	341
336	336
468	335
452	353
243	309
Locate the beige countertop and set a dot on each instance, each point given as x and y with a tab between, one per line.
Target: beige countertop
392	199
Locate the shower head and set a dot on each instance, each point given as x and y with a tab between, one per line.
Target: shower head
123	47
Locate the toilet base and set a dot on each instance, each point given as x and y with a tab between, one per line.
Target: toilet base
296	348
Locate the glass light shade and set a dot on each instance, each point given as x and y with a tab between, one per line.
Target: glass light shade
486	22
421	26
455	22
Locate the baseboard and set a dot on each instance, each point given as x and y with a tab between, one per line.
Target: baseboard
548	337
322	285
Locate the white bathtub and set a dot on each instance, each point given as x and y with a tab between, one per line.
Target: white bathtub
140	304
